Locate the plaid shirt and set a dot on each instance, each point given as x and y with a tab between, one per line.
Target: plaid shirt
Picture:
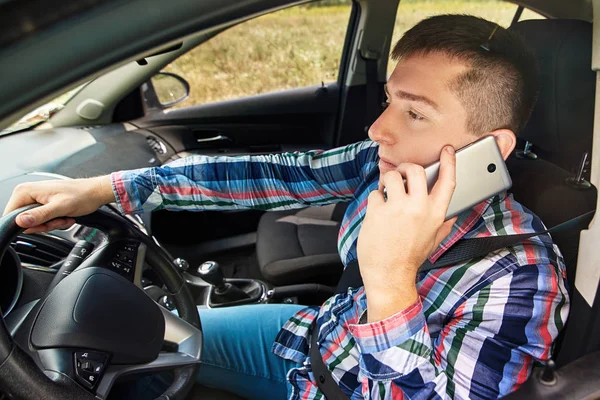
475	331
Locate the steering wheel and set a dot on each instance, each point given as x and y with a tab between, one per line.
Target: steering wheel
96	325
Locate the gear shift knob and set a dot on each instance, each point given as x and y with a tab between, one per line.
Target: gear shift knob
211	272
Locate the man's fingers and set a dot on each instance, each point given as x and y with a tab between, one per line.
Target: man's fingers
20	197
69	222
443	189
59	223
39	228
416	180
394	184
38	216
375	198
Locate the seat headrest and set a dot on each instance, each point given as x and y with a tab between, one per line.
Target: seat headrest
561	124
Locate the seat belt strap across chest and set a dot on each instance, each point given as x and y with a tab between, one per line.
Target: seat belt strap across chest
461	251
467	249
323	376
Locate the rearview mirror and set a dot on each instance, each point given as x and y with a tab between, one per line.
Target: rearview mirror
170	89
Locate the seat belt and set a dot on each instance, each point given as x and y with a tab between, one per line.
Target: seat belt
467	249
323	376
463	250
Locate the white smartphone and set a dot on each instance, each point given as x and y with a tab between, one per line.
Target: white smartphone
480	174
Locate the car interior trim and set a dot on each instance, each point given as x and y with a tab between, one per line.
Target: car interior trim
588	263
189	344
16	264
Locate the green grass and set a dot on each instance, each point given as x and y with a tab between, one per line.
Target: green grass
298	47
288	49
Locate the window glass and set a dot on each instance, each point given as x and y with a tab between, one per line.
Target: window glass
412	11
291	48
42	113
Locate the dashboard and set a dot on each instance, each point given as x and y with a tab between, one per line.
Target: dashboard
81	152
32	261
63	153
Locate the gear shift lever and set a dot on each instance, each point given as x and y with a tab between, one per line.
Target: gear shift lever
212	273
224	292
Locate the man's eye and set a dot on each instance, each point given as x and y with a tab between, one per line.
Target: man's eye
385	105
415	116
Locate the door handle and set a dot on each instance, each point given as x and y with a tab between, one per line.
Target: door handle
218	138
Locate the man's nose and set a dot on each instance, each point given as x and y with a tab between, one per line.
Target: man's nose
379	132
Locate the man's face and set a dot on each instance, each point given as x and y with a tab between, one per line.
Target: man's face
423	114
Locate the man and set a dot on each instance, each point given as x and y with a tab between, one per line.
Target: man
466	331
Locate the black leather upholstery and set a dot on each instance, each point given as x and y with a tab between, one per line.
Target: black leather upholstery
561	124
300	246
560	128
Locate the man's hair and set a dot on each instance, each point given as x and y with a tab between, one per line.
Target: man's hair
501	85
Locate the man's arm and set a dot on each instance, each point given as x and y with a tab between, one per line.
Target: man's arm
486	349
490	339
267	182
198	182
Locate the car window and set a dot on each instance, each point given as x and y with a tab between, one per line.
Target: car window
42	113
412	11
291	48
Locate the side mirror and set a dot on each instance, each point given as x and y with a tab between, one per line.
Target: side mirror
170	89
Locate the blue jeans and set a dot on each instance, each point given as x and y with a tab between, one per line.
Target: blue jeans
237	352
236	355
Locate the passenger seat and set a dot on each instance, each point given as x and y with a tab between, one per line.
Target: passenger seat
300	246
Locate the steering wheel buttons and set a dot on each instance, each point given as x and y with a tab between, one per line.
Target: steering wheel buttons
89	366
130	248
121	268
89	379
116	265
127	258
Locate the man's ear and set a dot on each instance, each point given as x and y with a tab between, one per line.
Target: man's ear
506	140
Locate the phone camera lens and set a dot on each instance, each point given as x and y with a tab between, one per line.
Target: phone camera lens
491	168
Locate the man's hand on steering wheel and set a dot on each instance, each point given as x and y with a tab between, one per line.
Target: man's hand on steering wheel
59	199
98	308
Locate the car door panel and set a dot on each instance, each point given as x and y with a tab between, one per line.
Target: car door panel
266	123
286	121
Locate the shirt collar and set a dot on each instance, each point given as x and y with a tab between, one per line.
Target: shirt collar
464	224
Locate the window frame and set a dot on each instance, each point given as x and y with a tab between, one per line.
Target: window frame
343	66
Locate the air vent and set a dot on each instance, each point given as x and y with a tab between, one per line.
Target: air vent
156	145
88	128
40	250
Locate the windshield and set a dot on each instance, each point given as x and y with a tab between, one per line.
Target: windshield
42	113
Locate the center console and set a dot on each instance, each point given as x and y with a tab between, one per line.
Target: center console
212	290
230	292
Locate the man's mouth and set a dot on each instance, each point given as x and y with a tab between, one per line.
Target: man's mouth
386	164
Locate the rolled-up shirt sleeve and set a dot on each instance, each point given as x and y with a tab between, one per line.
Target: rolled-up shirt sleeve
261	182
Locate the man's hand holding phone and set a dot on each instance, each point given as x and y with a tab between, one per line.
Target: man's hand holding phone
398	234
